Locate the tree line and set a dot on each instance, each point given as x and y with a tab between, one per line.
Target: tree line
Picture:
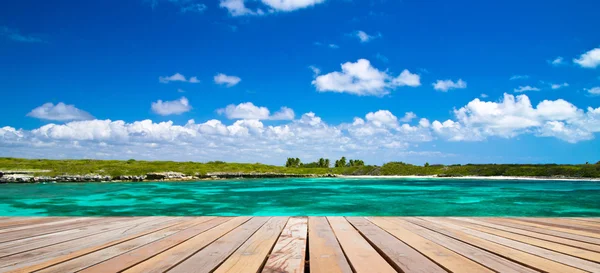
323	163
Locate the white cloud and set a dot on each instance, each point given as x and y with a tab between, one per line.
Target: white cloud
519	77
483	96
238	7
334	46
445	85
316	71
177	77
228	81
556	62
590	59
290	5
364	37
595	91
525	89
59	112
377	137
408	116
248	110
514	116
361	78
175	107
558	85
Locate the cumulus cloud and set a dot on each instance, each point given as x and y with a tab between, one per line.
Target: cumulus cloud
15	35
445	85
59	112
513	116
228	81
238	7
378	136
174	107
361	78
595	91
557	61
521	89
248	110
363	37
590	59
290	5
558	85
177	77
519	77
483	96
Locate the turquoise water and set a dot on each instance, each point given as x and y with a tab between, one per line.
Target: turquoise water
322	196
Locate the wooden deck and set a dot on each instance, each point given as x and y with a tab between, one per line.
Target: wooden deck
299	244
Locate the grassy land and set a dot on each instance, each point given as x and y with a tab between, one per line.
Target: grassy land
134	167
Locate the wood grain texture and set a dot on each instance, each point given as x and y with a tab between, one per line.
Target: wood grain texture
540	252
401	256
170	258
289	253
545	253
480	256
444	257
216	253
251	255
82	262
41	258
361	255
296	244
521	257
573	251
515	224
148	251
549	238
325	252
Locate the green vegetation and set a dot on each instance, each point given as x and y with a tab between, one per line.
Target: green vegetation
295	166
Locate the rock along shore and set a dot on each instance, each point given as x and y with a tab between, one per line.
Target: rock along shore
29	177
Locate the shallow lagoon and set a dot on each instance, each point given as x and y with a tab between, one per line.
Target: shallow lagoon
320	196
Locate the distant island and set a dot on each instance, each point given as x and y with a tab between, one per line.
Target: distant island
15	170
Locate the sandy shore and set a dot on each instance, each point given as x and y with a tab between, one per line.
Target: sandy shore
471	177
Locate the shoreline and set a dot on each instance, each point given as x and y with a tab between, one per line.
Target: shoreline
475	177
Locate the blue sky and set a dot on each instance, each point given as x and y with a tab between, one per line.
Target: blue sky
429	81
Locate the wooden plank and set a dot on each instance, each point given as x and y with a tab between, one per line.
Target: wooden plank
361	255
514	224
148	251
27	244
582	222
213	255
573	251
562	223
444	257
555	228
401	256
480	256
325	252
518	256
27	221
82	262
168	259
251	255
551	255
596	220
542	236
289	253
41	258
41	230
